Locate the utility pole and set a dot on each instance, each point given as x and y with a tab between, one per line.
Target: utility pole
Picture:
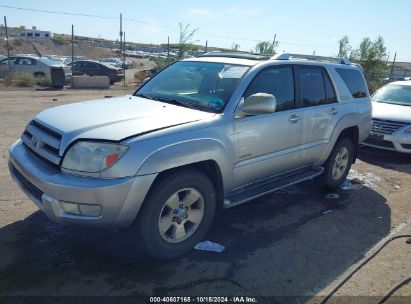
393	64
121	31
206	46
72	45
168	46
8	47
124	59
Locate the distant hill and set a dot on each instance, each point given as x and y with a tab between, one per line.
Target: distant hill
53	47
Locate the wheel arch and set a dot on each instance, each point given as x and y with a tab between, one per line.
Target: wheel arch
209	167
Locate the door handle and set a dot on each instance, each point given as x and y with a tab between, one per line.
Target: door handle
334	111
294	118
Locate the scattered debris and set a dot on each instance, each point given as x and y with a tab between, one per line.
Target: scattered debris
380	217
367	179
397	186
209	246
346	185
327	211
332	196
55	99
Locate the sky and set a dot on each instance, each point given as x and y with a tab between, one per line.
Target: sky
300	26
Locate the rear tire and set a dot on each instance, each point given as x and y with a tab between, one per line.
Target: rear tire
177	214
39	75
338	164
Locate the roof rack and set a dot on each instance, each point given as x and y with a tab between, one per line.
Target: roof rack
239	55
288	56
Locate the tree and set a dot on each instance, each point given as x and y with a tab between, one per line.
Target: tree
184	39
344	47
266	47
371	55
235	47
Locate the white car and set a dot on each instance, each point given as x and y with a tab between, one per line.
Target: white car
391	115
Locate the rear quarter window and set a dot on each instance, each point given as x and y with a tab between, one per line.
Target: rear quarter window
354	81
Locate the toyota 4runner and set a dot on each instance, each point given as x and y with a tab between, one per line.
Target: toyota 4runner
204	134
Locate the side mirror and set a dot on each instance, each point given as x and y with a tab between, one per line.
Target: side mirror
260	103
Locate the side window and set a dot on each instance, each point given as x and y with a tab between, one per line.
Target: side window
25	61
12	60
278	81
354	82
312	86
329	89
76	65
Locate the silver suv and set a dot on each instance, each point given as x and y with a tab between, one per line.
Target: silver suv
204	134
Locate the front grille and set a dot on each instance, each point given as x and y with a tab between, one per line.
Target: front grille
42	141
36	192
386	126
406	146
380	143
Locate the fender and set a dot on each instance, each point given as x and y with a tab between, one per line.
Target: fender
189	152
347	121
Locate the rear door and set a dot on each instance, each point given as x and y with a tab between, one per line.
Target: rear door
269	144
26	65
321	110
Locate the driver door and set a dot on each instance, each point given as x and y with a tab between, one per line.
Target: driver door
269	144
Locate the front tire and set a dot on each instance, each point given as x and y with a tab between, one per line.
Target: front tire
177	214
338	164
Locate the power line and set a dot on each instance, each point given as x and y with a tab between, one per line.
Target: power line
57	12
159	26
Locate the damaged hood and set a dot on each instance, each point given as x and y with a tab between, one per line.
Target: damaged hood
115	118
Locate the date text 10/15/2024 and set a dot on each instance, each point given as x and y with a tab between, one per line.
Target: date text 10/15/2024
197	299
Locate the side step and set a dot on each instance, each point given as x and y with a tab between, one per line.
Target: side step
252	192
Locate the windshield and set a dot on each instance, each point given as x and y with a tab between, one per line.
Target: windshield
202	85
394	94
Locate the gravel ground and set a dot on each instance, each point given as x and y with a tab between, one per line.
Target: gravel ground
294	245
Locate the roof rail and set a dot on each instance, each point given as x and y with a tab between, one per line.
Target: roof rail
239	55
288	56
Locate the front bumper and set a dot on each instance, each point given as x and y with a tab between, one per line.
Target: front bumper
399	141
120	199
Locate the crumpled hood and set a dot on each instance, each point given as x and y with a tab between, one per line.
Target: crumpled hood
392	112
115	118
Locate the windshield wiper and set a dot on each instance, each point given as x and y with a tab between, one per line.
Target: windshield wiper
177	102
146	96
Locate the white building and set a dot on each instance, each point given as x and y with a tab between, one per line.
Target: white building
34	33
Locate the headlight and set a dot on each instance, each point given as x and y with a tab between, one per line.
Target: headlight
92	157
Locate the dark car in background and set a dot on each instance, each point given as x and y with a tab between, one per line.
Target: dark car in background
95	68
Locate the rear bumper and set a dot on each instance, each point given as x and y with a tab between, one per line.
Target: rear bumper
120	199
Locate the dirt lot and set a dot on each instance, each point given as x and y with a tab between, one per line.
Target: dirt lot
295	245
